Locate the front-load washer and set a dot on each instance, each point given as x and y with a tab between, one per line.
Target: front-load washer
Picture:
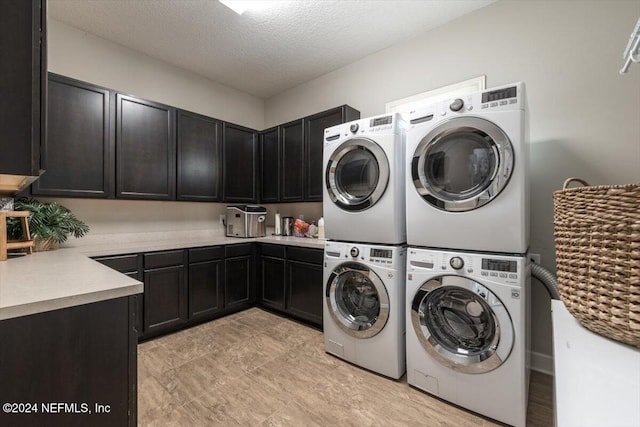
363	195
468	330
364	298
467	173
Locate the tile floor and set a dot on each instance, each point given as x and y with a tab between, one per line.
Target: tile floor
255	368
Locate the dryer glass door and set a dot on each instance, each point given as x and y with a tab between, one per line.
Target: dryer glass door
462	164
357	174
357	299
462	324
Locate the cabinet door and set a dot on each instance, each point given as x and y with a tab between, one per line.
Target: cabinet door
199	157
79	146
239	282
314	140
206	280
292	137
272	277
145	145
304	291
240	151
270	161
23	85
164	298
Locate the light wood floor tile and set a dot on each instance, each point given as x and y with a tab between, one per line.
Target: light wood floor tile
255	368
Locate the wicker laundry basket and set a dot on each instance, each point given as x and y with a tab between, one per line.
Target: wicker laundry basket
597	236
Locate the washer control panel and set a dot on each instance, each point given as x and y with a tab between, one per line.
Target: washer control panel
497	268
387	256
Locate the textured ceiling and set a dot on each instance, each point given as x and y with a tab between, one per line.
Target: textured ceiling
261	52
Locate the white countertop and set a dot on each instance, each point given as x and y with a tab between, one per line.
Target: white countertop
597	380
66	277
46	281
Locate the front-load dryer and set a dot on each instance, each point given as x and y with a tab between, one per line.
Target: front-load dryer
468	330
467	173
363	195
364	298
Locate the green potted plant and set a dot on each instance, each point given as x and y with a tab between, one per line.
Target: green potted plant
49	224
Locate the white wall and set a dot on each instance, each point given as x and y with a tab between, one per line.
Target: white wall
584	116
77	54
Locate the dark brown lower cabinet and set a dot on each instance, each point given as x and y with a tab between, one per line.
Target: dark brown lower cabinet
239	272
291	281
70	367
206	282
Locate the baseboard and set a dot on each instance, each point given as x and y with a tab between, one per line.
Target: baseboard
542	363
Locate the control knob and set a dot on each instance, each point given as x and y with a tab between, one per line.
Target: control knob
354	252
457	105
456	262
354	128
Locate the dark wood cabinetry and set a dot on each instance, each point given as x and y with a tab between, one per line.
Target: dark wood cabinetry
165	291
291	281
84	354
293	166
270	165
199	151
206	282
239	272
145	147
240	159
23	85
314	127
298	145
80	149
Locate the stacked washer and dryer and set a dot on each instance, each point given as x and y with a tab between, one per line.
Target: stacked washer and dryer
467	316
365	256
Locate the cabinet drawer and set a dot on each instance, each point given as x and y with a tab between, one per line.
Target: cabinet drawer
121	263
276	251
313	256
163	259
238	250
206	254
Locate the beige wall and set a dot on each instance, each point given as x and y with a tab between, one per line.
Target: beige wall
584	116
75	53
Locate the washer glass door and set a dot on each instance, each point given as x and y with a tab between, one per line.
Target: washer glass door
357	174
357	299
462	164
462	324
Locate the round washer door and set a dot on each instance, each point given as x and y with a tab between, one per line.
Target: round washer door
357	174
462	164
357	299
462	324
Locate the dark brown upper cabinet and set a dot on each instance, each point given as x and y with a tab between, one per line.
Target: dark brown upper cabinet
80	143
23	85
199	150
314	127
240	160
146	149
292	137
271	165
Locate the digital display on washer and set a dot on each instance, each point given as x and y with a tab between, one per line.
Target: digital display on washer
496	95
380	253
386	120
499	265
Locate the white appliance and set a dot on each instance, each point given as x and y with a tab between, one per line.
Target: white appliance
364	305
363	195
468	330
467	173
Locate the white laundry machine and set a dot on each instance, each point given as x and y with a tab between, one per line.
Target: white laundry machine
363	195
364	305
467	173
468	330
